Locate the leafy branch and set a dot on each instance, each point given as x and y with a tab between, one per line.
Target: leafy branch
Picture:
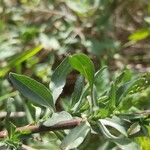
107	110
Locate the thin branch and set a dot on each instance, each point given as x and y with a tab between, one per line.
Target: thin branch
145	112
50	13
13	114
31	129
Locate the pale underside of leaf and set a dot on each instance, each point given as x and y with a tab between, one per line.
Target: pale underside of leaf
75	137
58	78
57	118
104	122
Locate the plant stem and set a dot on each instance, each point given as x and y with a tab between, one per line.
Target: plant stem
13	114
31	129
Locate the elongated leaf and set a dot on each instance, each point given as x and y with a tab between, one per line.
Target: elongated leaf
134	128
102	80
84	65
77	90
57	118
75	137
33	90
105	122
99	72
112	97
132	86
86	88
139	35
25	55
94	98
98	77
125	76
84	93
126	143
19	59
58	79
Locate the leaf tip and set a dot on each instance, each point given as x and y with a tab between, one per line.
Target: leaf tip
11	74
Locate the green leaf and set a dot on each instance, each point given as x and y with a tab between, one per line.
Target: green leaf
134	128
102	80
57	118
100	72
25	55
6	96
84	65
112	97
86	89
133	86
111	123
77	90
75	137
19	59
125	144
125	76
58	79
139	35
33	90
84	93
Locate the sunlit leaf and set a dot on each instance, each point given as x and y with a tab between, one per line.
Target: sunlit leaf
84	65
139	35
19	59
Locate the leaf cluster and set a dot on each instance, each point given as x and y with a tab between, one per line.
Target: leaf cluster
105	109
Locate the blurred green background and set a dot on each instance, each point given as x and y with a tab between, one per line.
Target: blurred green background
114	31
